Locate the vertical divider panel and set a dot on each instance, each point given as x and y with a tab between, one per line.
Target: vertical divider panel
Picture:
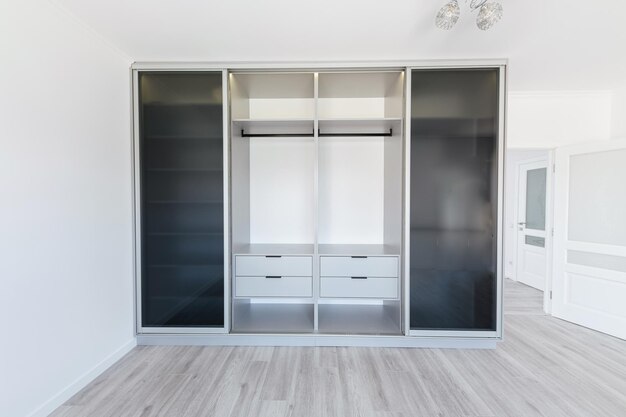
227	232
136	200
405	270
393	183
316	259
501	144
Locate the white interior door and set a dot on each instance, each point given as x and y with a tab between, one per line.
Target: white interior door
531	223
589	282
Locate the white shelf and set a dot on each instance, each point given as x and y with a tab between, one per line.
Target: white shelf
273	249
272	318
360	84
357	319
277	120
368	95
272	95
358	250
360	119
332	119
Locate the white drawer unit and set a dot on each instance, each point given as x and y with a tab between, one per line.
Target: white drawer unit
359	266
273	286
359	287
289	266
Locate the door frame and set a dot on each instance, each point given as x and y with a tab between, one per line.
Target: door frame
549	160
523	167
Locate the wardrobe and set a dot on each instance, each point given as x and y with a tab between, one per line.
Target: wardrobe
342	205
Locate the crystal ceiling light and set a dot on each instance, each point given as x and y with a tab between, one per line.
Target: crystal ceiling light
488	14
448	15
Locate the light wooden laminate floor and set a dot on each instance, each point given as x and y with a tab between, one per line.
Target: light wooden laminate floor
545	367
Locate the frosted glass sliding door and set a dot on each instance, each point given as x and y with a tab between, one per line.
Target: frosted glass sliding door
182	207
453	199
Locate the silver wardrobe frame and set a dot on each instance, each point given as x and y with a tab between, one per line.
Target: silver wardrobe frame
222	336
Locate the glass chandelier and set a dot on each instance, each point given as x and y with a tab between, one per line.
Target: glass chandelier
489	13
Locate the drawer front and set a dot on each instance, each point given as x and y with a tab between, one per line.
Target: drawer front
290	266
370	266
346	287
273	286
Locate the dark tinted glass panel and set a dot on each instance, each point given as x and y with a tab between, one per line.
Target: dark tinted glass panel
181	153
454	132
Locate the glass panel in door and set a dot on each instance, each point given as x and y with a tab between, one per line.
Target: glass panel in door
531	259
536	199
453	216
182	217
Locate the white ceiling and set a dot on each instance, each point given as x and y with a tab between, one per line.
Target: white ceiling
550	44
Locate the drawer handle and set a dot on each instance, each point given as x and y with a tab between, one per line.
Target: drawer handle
273	276
273	256
358	277
359	257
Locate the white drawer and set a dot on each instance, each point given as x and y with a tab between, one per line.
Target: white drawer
349	266
291	266
347	287
273	286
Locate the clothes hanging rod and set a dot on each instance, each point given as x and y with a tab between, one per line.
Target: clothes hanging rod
276	135
326	135
310	135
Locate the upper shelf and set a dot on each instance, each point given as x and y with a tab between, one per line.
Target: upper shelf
272	96
339	95
360	95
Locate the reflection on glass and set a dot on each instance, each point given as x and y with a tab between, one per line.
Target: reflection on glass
454	125
536	199
181	151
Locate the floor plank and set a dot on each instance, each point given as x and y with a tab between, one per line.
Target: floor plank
544	367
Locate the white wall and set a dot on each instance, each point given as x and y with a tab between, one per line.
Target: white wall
548	119
618	119
514	156
66	297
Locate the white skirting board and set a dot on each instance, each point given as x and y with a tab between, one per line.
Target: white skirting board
81	382
316	340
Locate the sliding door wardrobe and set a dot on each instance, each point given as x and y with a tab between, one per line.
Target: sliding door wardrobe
356	206
455	202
